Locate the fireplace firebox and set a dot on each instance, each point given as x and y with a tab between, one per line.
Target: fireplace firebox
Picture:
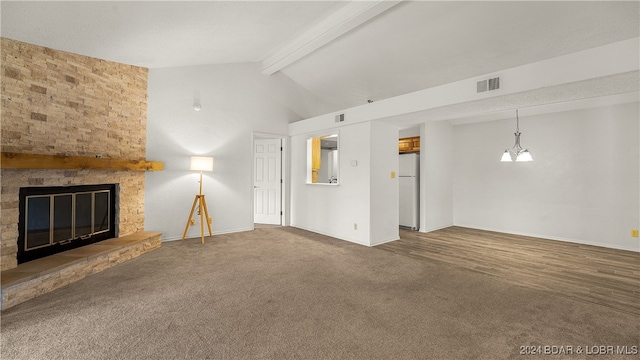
60	218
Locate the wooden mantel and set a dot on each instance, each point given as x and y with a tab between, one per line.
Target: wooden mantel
38	161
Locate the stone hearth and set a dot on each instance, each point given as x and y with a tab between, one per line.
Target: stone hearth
41	276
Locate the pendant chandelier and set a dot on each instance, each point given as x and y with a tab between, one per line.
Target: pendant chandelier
517	151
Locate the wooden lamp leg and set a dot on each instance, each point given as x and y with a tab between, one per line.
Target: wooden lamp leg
193	207
202	211
206	213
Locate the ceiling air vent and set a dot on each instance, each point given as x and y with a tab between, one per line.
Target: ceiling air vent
488	84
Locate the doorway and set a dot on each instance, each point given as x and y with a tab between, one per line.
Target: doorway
268	179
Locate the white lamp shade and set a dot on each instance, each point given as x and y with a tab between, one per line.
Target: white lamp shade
506	156
524	156
201	163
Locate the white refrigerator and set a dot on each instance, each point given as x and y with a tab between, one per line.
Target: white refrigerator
409	172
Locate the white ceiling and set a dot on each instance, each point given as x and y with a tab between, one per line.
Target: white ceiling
418	45
412	46
157	34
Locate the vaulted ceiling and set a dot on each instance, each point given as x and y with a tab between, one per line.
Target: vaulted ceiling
344	53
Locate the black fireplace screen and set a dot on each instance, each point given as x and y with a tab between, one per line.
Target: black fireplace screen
54	219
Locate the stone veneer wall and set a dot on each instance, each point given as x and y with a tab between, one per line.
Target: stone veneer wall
59	103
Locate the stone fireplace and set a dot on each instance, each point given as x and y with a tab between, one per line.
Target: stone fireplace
131	204
67	105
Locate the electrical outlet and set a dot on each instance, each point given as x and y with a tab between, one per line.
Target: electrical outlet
393	174
192	222
355	226
210	220
634	233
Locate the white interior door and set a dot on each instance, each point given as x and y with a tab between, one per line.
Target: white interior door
267	184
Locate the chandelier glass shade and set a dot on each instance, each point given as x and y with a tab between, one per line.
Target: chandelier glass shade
517	152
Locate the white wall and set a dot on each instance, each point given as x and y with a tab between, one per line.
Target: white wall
384	189
363	208
436	176
409	132
329	209
582	185
236	100
594	65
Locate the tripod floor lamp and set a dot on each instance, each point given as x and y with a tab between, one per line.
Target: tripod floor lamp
200	163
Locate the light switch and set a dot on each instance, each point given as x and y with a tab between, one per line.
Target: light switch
393	174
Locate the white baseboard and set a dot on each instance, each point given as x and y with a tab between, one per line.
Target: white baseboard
557	238
193	236
386	241
328	234
435	228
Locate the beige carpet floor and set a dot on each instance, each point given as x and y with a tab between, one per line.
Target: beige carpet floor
284	293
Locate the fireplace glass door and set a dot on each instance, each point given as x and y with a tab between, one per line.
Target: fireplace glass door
61	218
38	222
